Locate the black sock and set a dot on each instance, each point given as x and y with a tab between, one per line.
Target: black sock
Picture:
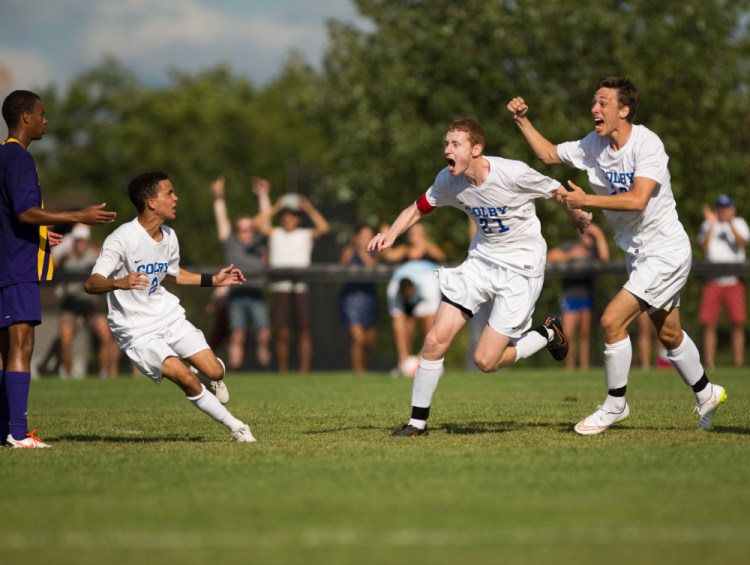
418	413
701	384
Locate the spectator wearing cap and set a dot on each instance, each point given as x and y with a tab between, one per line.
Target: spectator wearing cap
290	246
723	237
76	305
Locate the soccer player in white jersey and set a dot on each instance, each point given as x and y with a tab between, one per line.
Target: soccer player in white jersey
505	265
147	321
626	166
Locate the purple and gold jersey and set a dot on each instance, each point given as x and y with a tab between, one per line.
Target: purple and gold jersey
25	252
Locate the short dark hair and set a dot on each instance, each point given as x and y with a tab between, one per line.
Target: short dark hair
145	186
627	93
471	127
16	104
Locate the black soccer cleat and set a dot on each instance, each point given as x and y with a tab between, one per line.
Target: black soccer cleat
558	346
410	431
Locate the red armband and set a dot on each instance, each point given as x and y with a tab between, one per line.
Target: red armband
423	205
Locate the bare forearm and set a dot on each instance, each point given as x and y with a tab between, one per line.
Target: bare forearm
543	149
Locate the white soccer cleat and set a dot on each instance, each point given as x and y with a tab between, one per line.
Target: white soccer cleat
707	410
600	420
243	435
29	442
217	388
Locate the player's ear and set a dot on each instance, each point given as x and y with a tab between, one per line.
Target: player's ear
476	151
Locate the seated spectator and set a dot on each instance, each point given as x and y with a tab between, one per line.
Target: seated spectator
413	297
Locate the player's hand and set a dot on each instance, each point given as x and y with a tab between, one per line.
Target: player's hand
576	198
581	220
517	108
54	238
96	214
379	242
217	187
229	276
134	281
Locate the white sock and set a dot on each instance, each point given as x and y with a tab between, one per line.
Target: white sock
425	382
419	424
208	403
617	358
529	343
687	361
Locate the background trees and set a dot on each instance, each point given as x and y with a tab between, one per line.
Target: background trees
390	92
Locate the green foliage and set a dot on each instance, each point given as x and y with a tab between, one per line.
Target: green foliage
137	475
107	129
391	89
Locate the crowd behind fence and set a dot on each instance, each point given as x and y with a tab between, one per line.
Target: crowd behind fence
330	337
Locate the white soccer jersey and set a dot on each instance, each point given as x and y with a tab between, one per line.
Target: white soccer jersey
130	249
508	230
657	228
723	247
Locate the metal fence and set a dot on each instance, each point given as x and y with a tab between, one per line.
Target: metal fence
330	337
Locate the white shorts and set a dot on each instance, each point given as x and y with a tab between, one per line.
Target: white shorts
658	279
512	294
429	288
148	352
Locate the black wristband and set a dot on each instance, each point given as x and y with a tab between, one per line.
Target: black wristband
207	280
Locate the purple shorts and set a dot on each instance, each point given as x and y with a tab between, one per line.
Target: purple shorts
20	303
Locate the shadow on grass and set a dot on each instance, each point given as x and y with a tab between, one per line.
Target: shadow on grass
470	428
130	439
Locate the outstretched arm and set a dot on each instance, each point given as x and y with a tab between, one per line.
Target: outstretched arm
92	215
406	219
225	277
543	149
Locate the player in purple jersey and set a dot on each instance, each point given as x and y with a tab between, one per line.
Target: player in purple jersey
25	259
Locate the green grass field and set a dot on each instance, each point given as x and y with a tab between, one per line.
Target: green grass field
137	475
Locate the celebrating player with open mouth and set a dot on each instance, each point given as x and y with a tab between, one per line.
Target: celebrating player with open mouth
505	265
627	169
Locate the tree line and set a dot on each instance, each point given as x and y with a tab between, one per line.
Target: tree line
365	131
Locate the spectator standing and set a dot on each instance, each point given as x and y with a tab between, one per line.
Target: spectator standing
577	299
25	259
247	250
290	246
358	301
723	237
75	304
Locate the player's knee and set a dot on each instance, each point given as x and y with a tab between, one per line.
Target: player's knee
484	364
671	338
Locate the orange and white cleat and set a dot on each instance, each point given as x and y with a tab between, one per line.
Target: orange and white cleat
29	442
